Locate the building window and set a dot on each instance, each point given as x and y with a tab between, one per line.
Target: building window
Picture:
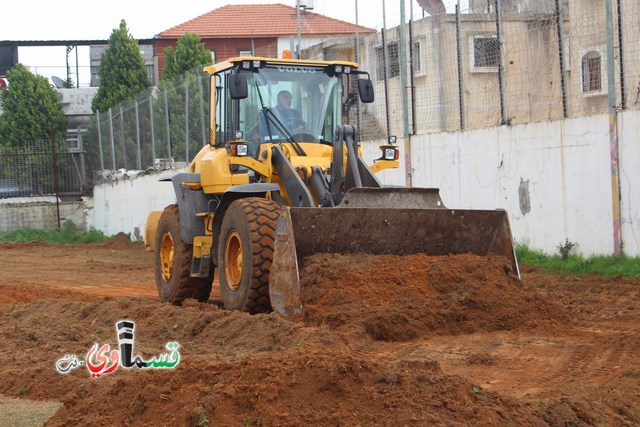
74	140
393	61
594	71
213	56
417	59
245	53
484	54
591	72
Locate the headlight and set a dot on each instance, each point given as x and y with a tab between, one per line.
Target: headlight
242	150
239	135
238	150
390	153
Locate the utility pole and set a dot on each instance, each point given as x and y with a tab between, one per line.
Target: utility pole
298	13
613	135
357	35
304	6
403	71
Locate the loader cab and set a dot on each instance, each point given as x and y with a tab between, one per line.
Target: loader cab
272	101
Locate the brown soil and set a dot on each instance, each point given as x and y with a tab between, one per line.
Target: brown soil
385	341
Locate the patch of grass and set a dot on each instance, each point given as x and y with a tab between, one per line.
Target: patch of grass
603	265
252	422
476	390
203	421
68	233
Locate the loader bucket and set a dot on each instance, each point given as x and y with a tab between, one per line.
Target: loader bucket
381	221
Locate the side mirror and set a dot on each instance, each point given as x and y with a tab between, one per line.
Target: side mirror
365	90
238	86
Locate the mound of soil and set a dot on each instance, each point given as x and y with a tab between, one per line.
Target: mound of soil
236	369
396	298
119	241
386	341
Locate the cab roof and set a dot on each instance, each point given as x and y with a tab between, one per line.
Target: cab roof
231	62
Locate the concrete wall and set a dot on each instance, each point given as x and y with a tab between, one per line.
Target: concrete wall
554	179
123	206
37	212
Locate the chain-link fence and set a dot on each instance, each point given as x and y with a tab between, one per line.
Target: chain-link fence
487	63
482	63
161	128
42	168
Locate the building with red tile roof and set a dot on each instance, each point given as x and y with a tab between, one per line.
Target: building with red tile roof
257	29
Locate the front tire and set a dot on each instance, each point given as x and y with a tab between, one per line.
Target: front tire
173	263
245	252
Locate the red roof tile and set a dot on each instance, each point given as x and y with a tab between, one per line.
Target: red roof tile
260	20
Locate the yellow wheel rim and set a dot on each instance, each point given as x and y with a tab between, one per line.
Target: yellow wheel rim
166	256
233	260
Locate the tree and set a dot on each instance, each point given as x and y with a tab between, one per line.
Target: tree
186	91
190	53
122	71
31	109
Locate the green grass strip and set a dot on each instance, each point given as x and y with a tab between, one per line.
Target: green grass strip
604	265
68	233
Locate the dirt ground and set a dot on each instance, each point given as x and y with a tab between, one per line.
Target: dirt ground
390	341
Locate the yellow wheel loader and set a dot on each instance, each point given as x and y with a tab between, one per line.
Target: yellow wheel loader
283	178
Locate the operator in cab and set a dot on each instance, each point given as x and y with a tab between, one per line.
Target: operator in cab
290	117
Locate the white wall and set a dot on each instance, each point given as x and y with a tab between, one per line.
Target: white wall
123	206
629	123
554	179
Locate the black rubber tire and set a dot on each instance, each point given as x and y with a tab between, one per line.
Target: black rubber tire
180	285
250	223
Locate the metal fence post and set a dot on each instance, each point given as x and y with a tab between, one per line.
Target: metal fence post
403	72
501	82
100	141
124	147
166	111
186	120
386	87
138	155
56	179
460	75
113	143
623	95
83	163
563	67
153	138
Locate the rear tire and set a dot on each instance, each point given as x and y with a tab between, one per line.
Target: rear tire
245	252
173	263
